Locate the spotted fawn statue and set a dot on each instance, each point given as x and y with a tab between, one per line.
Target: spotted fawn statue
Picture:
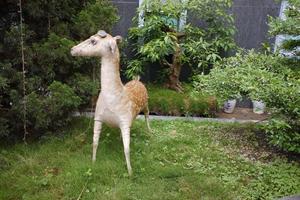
118	104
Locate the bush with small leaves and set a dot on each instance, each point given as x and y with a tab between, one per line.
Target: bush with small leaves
260	77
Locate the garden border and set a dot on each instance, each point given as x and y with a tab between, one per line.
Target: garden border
167	118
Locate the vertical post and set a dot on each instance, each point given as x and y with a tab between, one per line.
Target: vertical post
279	38
183	18
23	74
141	14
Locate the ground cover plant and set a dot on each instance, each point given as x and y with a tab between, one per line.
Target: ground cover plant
163	101
178	160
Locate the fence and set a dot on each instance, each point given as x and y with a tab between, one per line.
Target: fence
250	19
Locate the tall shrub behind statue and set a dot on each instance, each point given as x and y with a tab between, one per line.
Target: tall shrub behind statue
56	84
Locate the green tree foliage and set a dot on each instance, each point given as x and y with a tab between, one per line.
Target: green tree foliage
289	26
56	83
161	39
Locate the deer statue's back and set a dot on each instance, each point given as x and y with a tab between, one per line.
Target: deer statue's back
138	96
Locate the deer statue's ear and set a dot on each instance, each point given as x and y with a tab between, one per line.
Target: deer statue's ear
113	46
118	39
113	43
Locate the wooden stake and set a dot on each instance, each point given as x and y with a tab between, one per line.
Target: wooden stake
24	75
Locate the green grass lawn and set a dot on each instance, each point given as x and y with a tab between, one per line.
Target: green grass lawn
178	160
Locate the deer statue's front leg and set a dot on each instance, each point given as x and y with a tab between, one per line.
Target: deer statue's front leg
125	130
97	132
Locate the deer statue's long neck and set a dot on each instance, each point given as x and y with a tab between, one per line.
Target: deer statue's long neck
110	74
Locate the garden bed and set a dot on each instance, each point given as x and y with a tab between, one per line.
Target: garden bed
178	160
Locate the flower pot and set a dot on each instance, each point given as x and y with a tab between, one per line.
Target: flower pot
229	106
258	107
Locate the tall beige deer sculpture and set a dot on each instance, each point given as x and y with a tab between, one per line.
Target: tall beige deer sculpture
118	104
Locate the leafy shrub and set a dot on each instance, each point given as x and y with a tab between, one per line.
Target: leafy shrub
218	84
4	131
261	77
168	102
47	113
283	133
84	88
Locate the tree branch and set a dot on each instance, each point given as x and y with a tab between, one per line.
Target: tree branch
165	62
171	30
180	35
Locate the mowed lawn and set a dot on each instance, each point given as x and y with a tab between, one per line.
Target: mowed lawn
178	160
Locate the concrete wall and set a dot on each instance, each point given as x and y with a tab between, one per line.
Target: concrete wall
250	19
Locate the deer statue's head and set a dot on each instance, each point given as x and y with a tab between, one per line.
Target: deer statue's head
99	45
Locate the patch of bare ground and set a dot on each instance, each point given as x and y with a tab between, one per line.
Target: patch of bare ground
243	113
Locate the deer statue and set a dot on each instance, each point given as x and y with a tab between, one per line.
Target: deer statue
118	104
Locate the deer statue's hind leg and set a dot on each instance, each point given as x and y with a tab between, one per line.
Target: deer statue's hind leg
125	130
97	132
146	113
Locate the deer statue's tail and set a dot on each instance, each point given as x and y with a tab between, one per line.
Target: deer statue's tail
137	78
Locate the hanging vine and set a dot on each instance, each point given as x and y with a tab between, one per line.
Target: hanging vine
23	74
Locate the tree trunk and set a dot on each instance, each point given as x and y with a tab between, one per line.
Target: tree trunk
175	69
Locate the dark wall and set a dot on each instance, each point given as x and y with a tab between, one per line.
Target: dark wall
250	19
126	10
